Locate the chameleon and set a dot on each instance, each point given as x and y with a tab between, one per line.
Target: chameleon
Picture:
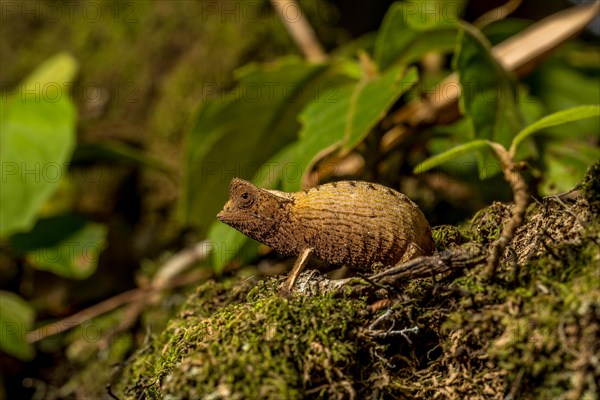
351	223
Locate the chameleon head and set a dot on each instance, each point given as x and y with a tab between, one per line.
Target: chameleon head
250	209
242	199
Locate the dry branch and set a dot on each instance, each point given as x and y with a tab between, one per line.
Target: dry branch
454	259
520	197
168	276
300	30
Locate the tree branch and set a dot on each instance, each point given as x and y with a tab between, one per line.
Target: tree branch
300	30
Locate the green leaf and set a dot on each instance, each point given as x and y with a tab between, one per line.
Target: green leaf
488	93
36	141
58	70
566	165
233	136
370	101
344	124
66	245
411	29
561	85
470	147
349	49
499	31
558	118
16	319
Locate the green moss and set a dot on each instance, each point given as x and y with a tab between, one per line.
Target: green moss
486	224
591	187
529	335
548	338
446	236
259	344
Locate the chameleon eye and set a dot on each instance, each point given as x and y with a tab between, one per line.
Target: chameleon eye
245	199
243	194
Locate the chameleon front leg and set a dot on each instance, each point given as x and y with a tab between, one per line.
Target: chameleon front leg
301	262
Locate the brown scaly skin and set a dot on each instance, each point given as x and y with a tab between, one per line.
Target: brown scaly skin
348	223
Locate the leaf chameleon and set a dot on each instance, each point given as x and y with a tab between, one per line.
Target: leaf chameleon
350	223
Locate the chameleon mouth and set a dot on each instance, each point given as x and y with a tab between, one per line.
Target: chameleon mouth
223	216
229	215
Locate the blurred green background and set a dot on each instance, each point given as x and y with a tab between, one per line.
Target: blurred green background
123	122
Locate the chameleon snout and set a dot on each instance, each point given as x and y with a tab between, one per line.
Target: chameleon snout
225	213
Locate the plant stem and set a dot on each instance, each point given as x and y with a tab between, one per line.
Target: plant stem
300	29
519	188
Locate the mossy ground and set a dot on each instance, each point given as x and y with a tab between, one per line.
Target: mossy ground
291	347
529	334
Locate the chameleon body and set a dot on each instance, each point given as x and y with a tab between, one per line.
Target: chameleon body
350	223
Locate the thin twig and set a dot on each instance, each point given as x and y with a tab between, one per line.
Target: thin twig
453	259
566	207
300	30
375	284
180	261
109	391
520	196
132	296
377	333
498	13
78	318
577	187
381	318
